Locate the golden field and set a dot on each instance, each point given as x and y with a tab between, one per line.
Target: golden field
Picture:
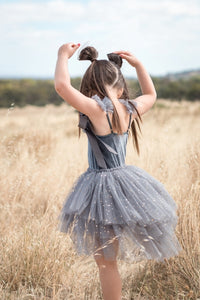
41	156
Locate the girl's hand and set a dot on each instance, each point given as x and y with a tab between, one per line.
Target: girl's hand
131	59
68	49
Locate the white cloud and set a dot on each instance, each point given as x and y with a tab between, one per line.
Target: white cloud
155	30
52	11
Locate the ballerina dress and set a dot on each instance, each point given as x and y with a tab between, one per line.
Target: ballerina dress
113	201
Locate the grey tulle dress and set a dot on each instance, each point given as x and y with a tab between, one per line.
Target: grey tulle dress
120	203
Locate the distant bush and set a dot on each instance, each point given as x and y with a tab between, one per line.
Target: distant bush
188	89
42	92
28	91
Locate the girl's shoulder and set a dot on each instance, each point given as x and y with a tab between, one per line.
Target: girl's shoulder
106	104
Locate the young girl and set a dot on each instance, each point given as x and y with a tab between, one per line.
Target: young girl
113	210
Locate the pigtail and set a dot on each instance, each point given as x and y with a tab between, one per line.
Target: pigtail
115	58
88	53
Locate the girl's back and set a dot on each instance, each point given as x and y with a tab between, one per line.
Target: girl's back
124	108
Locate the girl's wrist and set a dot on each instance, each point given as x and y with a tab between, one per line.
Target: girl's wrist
137	64
63	55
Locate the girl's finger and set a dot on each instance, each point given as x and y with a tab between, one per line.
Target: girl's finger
76	45
122	52
119	52
125	56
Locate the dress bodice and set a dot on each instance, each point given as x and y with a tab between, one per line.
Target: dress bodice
114	140
117	142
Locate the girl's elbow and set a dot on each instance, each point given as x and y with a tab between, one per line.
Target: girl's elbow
154	96
152	99
59	87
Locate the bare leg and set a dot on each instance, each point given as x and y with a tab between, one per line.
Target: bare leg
109	277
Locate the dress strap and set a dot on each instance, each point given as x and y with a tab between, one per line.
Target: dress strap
129	124
109	122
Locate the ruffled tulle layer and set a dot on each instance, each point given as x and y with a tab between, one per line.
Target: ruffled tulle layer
122	208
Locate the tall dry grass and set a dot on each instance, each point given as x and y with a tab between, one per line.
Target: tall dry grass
41	156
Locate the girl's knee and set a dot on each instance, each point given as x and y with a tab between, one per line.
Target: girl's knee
103	263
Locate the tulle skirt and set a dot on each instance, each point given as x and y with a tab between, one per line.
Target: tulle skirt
121	211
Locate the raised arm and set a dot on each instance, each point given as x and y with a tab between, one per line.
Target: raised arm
148	97
63	85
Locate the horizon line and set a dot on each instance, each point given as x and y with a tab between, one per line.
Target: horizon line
2	77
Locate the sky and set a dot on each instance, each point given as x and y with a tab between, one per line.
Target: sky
163	34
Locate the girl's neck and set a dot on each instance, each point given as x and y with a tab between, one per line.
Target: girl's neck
113	94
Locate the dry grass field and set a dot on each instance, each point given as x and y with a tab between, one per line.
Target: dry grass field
41	156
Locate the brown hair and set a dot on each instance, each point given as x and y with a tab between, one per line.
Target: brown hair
107	72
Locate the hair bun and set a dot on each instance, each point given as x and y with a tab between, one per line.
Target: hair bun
115	58
88	53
